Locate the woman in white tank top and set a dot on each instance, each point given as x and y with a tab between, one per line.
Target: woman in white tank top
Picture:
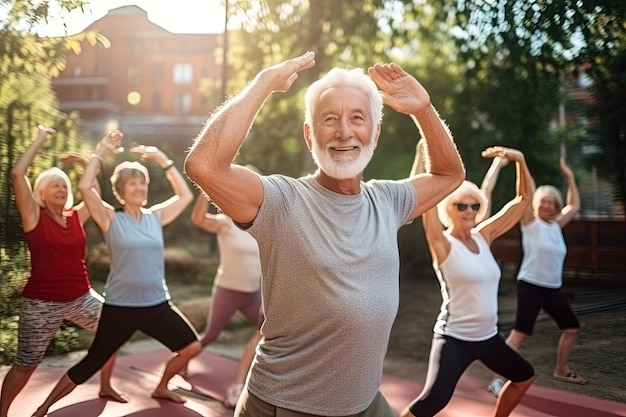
466	328
540	276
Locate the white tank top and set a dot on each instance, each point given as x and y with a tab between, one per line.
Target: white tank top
469	288
544	252
240	267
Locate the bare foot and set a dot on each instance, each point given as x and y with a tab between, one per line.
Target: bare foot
112	394
169	395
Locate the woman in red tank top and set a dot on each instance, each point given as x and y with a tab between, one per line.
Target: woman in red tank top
58	288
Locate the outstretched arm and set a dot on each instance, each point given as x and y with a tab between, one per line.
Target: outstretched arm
202	219
75	158
26	205
438	244
489	182
237	190
171	208
444	168
572	202
101	212
512	212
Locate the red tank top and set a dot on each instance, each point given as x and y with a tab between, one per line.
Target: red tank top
57	257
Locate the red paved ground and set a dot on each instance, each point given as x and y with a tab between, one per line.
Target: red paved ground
136	375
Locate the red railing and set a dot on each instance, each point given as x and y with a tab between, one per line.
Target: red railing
594	245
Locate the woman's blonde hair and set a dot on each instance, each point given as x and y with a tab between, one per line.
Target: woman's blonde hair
123	172
44	179
466	188
547	191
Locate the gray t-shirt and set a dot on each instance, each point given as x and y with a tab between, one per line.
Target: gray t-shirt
137	275
330	291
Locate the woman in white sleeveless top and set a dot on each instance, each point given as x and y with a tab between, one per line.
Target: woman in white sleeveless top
539	279
467	326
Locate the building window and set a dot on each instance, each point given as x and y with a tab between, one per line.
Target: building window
134	74
157	74
156	102
183	73
78	70
182	102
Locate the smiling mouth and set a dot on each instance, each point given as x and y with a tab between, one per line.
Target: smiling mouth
343	148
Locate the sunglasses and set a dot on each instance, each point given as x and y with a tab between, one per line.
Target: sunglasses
464	206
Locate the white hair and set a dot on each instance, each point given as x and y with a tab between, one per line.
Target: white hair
44	179
339	77
466	188
547	191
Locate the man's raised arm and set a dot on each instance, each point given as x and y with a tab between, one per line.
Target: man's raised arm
444	168
235	189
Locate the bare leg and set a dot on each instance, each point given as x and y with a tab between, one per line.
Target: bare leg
510	396
234	390
61	389
514	341
106	390
14	381
177	362
564	350
247	357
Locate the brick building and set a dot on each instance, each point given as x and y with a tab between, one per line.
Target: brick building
147	82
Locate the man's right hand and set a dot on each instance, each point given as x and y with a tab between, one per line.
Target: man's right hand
281	76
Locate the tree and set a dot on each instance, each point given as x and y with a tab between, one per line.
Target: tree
513	54
27	62
608	115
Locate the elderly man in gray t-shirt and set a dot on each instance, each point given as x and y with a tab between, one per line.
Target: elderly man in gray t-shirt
327	241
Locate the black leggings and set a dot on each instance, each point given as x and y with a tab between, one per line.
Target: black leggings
162	322
450	357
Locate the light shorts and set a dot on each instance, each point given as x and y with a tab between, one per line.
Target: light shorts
40	320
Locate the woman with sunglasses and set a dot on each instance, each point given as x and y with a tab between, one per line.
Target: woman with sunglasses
467	326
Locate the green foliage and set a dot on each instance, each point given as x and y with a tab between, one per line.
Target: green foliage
608	115
65	340
509	58
27	63
8	339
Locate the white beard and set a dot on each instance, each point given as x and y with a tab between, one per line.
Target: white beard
342	169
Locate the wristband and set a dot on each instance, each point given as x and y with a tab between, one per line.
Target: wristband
98	157
169	165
